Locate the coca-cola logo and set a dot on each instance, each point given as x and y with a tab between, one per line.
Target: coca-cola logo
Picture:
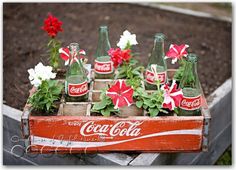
122	128
103	67
150	77
78	89
191	103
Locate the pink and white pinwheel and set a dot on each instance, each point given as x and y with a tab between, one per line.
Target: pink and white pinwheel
121	94
65	54
176	52
172	96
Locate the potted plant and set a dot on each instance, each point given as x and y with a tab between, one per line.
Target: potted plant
46	93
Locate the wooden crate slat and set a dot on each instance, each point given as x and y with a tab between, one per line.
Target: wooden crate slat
153	134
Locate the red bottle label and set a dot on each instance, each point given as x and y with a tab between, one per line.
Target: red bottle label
78	89
103	67
190	103
150	78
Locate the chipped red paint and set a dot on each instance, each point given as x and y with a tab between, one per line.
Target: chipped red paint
170	133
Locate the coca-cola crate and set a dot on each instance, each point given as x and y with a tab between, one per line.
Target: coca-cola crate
76	130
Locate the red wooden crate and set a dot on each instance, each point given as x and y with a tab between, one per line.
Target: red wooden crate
76	130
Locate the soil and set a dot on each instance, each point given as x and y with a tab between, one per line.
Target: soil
25	43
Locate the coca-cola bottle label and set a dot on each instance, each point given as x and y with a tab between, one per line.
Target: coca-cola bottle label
78	89
150	77
190	103
103	67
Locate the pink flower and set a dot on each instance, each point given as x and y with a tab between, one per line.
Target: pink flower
172	96
65	54
121	94
176	52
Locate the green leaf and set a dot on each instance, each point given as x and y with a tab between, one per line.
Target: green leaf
100	105
176	110
145	106
106	112
139	104
153	112
48	92
148	102
56	90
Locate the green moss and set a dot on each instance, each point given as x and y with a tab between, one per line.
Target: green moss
226	158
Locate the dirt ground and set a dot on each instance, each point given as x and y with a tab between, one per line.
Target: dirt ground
24	43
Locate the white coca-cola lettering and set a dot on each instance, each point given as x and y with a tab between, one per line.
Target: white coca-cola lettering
119	129
191	103
78	89
103	67
150	78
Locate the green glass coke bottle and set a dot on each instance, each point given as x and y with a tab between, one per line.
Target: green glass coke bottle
191	102
76	83
156	69
103	66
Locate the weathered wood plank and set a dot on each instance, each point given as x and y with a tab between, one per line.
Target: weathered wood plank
186	11
77	109
145	159
12	112
109	159
13	159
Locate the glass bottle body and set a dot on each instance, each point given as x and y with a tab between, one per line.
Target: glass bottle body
191	102
76	83
103	66
156	69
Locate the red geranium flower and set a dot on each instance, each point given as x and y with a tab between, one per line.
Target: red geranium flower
172	96
176	52
118	56
126	55
121	94
52	25
115	56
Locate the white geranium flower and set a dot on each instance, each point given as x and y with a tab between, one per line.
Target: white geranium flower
127	39
40	73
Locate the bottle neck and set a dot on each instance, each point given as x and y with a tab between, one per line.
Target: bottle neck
75	65
103	43
157	55
190	76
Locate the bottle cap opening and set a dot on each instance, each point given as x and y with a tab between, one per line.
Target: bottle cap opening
159	37
74	46
192	57
103	27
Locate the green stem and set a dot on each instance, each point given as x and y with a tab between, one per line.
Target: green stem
54	46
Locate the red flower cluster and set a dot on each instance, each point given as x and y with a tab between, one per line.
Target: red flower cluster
52	25
118	56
